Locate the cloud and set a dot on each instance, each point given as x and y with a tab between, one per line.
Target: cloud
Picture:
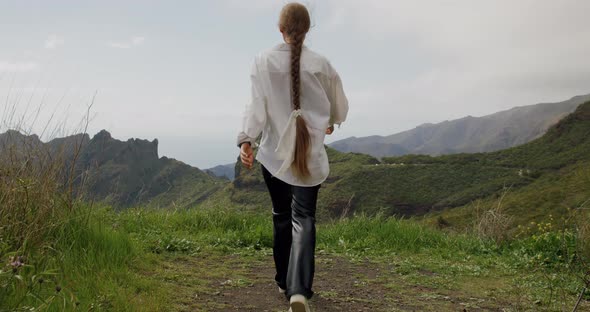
53	41
471	57
133	42
471	31
17	66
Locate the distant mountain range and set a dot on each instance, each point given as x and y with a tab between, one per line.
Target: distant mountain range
488	133
123	174
223	171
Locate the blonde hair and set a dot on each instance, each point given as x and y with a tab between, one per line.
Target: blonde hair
294	22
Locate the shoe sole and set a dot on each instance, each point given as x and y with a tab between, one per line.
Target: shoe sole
298	307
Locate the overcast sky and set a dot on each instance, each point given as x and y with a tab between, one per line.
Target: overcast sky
178	70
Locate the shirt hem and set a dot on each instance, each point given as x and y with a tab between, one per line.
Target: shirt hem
273	171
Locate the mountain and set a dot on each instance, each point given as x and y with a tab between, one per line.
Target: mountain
121	173
467	135
543	177
223	171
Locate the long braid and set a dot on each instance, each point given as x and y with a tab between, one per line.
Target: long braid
296	48
303	140
294	23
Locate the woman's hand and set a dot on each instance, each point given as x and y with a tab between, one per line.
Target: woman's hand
247	155
330	130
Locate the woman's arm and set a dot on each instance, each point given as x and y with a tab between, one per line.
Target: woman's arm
254	117
253	120
338	100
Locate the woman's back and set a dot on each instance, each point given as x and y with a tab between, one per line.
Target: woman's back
322	104
274	72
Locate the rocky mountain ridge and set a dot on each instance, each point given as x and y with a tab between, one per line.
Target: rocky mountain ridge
121	173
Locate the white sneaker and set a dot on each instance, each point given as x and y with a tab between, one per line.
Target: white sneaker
299	304
282	291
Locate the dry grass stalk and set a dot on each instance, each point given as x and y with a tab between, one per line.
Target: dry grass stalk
493	223
36	180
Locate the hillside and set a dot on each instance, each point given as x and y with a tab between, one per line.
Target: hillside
493	132
361	184
418	184
120	173
560	163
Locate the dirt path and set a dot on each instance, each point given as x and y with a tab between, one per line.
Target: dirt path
238	282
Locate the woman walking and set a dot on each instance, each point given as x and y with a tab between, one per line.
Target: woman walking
297	98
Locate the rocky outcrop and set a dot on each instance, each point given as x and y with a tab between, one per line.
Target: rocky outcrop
121	173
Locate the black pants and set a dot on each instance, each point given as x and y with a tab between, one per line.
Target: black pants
293	212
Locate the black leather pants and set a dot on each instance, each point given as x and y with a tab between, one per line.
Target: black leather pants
293	211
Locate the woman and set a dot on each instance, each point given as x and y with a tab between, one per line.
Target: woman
297	97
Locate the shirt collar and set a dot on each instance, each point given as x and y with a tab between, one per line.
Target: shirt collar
286	47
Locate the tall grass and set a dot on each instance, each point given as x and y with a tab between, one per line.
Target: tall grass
30	193
75	265
58	253
71	258
34	206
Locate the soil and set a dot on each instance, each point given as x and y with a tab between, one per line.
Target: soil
237	282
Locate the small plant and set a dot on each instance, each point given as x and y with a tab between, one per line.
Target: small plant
24	277
175	244
493	223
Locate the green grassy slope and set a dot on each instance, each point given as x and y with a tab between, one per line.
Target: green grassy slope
552	168
556	167
560	162
554	194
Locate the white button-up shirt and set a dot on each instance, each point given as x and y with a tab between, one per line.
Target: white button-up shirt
271	113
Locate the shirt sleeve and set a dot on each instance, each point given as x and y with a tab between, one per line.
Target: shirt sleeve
338	100
254	117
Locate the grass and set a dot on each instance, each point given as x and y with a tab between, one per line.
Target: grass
104	260
538	266
83	264
197	229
